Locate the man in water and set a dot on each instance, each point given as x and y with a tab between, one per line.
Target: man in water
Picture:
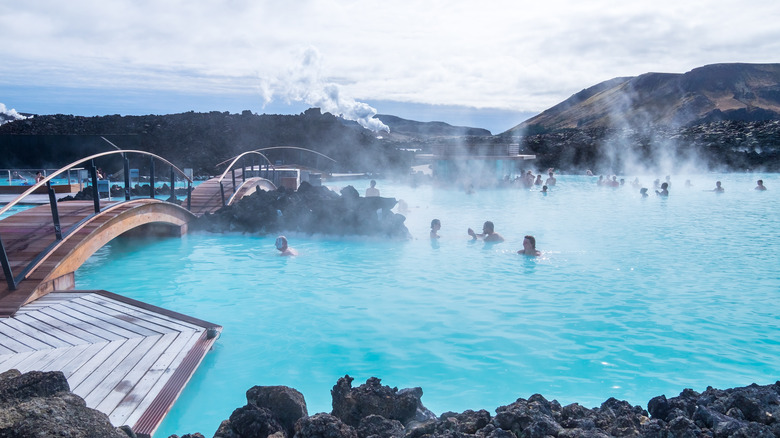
664	190
760	185
372	191
718	188
435	227
550	179
643	192
529	247
488	234
281	245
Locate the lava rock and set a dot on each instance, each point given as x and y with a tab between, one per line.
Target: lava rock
41	404
372	398
323	426
253	422
286	404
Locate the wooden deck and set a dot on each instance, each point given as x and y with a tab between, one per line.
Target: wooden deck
127	359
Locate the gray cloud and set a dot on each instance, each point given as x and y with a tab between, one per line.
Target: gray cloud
499	54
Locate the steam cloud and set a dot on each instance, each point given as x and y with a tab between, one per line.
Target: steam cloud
9	115
305	84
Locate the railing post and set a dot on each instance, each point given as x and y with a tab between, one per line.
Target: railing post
173	186
233	172
243	173
222	192
95	193
127	179
55	214
189	195
9	276
151	177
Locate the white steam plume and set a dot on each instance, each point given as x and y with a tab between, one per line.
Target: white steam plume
9	115
305	84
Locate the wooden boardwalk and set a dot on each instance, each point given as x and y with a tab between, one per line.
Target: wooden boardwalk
127	359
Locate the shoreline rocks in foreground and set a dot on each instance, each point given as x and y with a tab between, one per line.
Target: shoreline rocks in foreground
41	404
372	410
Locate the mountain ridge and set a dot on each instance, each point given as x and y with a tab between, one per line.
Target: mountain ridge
716	92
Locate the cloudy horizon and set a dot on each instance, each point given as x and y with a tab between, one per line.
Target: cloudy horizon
494	64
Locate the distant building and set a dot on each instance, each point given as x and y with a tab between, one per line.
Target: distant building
478	164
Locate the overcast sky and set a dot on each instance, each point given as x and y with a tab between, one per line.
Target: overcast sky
424	60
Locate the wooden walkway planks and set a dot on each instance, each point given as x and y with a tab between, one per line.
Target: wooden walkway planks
127	359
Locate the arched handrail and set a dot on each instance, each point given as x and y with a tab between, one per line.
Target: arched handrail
238	157
284	147
45	181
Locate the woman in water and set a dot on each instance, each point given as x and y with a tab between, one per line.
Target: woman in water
529	247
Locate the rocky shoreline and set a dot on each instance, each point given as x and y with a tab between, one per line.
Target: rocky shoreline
40	404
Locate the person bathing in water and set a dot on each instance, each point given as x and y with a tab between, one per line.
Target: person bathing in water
435	227
488	233
718	188
760	185
281	245
529	247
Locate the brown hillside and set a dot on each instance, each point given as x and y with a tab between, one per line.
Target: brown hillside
744	92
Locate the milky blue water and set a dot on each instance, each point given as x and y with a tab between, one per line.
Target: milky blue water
632	298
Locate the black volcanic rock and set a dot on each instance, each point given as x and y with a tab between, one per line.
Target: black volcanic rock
376	411
286	404
40	404
352	405
323	426
308	210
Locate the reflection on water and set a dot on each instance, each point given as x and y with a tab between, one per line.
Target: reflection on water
631	298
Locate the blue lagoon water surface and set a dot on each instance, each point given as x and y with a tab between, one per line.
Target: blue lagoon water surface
632	298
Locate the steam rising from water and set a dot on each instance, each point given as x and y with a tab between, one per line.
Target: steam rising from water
306	84
9	115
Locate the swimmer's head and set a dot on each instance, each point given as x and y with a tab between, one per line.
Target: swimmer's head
435	223
664	186
281	243
531	241
488	227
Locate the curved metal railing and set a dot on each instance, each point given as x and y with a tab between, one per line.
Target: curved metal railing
284	147
231	168
92	169
268	164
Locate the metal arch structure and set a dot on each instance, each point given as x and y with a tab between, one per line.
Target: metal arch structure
283	147
47	179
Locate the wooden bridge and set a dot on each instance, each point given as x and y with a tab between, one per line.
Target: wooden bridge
127	359
34	245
